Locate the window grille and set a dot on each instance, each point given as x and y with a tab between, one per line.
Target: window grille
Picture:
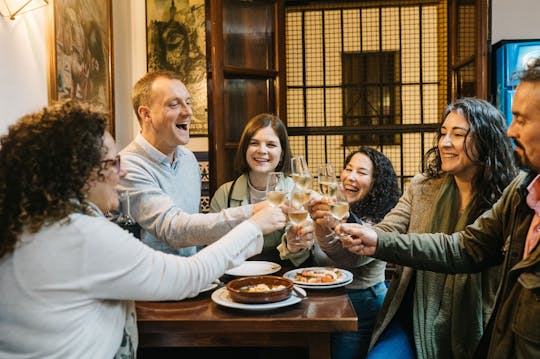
366	73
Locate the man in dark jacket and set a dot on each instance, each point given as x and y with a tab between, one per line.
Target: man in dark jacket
506	234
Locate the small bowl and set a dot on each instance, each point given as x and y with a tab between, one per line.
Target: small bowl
238	289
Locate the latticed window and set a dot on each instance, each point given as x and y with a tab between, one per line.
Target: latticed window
371	94
366	73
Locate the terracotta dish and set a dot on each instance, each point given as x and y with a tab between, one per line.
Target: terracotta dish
260	289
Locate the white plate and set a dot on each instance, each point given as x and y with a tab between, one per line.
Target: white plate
209	287
222	297
346	279
249	268
327	286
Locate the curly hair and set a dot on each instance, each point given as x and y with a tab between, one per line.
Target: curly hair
494	156
255	124
46	159
384	193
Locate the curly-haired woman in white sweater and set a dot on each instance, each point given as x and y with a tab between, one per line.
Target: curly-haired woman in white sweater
68	276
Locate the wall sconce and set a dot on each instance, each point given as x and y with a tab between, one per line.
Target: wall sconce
12	8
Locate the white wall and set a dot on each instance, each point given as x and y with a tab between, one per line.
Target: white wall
24	68
23	75
129	23
514	20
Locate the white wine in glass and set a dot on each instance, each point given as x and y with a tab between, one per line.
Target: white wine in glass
328	188
276	193
304	181
327	180
276	198
299	197
300	172
339	206
297	215
339	209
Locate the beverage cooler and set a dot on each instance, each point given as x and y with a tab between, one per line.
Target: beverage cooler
510	57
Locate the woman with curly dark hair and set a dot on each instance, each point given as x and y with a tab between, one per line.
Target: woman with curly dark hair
68	276
438	315
371	187
383	192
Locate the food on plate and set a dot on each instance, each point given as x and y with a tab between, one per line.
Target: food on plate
318	275
261	288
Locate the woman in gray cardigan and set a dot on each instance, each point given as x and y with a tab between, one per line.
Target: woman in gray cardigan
443	315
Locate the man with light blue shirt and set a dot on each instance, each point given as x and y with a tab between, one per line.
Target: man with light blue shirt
163	178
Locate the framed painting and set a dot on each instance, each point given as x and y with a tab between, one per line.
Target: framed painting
80	48
175	37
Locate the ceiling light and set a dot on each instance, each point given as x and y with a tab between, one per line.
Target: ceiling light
12	8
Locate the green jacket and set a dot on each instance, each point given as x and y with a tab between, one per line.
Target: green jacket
498	236
274	248
413	214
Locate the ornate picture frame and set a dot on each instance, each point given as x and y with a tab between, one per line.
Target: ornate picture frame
176	41
81	53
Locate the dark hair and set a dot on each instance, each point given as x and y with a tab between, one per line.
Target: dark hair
255	124
531	73
384	192
494	159
46	159
141	94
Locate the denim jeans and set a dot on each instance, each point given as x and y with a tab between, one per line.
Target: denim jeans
393	343
366	303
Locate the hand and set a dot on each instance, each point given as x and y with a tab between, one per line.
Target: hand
260	206
359	239
319	211
300	236
269	219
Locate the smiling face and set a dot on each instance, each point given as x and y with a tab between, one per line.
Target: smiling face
357	177
525	126
452	142
165	122
264	151
102	183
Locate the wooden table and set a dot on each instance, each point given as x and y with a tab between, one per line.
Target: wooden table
199	322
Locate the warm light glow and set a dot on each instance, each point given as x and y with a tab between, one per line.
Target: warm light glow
12	8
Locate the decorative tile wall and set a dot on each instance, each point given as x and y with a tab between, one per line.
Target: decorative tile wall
202	158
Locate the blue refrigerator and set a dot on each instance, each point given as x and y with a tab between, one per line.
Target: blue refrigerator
511	57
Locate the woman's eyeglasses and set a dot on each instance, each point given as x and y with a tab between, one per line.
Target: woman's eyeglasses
110	163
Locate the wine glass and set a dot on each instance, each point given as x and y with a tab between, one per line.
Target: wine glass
339	207
327	180
300	172
327	185
297	212
124	219
276	192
